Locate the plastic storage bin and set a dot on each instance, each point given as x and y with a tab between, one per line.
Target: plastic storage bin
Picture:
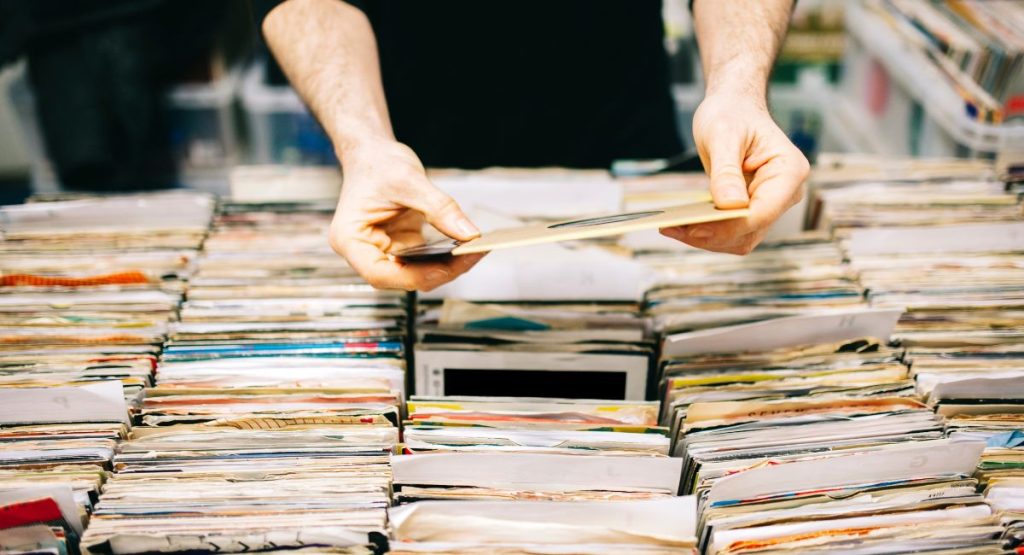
204	133
204	130
908	107
280	128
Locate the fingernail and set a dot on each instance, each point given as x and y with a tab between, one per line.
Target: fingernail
437	275
734	194
469	259
466	227
700	233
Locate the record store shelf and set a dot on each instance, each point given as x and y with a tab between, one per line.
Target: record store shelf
902	98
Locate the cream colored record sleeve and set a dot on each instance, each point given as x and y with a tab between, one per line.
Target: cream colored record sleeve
601	226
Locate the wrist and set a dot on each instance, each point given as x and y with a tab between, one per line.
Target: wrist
738	98
738	86
355	147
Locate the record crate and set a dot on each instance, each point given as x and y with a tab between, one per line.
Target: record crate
280	128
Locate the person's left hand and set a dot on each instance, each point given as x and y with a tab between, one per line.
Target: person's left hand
751	164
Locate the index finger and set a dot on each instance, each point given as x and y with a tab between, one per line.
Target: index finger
776	186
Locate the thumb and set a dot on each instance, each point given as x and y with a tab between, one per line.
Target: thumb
725	160
441	211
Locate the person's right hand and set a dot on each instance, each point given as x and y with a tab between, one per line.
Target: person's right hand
385	199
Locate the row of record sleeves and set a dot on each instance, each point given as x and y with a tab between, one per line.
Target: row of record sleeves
852	388
90	290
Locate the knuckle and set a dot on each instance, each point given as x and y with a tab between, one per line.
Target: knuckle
803	166
441	206
409	174
445	204
425	284
433	201
334	239
726	170
383	283
448	204
403	282
745	248
799	194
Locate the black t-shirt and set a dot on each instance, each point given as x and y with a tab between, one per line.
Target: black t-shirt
475	83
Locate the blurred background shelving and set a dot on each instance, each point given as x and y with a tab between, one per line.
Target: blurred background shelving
846	81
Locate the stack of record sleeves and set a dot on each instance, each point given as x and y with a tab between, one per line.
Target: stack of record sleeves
954	259
88	288
276	404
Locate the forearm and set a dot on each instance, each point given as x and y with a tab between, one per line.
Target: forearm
739	40
328	51
750	161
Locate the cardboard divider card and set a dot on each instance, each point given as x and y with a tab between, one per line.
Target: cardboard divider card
1010	386
550	272
821	327
98	402
891	463
539	472
973	238
672	520
166	209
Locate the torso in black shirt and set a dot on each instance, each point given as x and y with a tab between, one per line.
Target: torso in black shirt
475	83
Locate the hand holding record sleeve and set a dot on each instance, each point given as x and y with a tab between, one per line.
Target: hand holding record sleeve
571	230
750	160
385	199
752	165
